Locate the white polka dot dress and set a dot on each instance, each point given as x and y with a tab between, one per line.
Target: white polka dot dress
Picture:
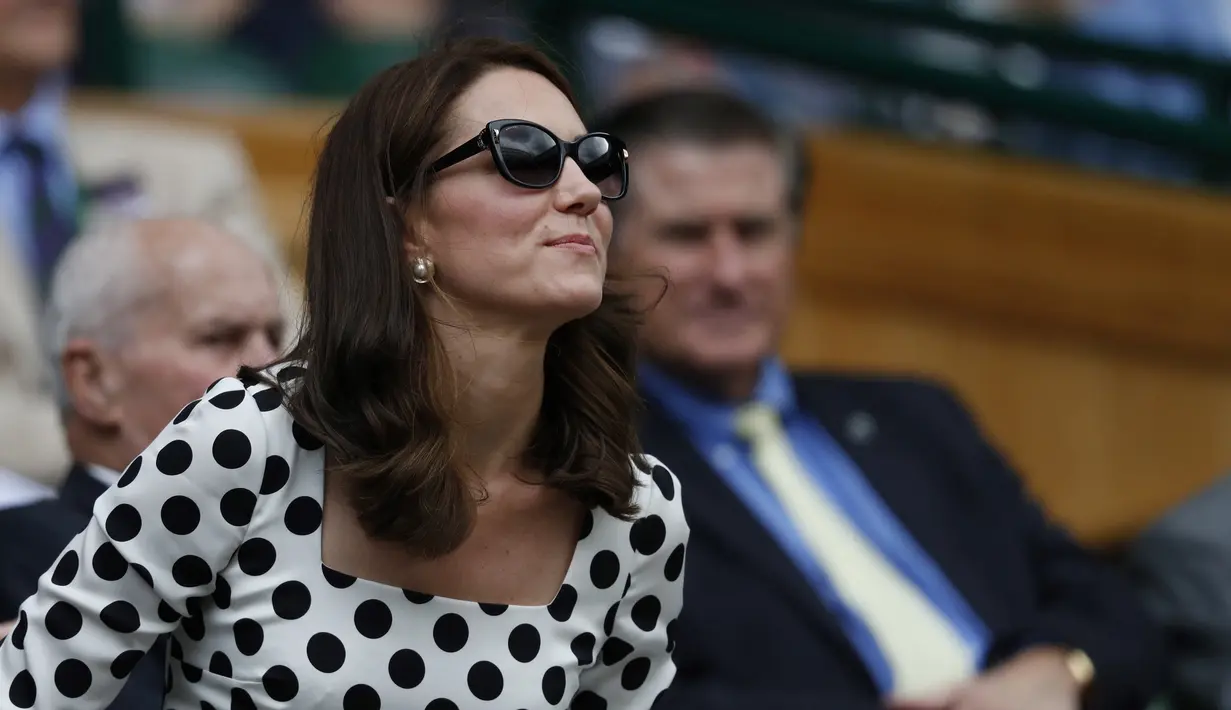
213	535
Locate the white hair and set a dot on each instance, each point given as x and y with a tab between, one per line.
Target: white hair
98	281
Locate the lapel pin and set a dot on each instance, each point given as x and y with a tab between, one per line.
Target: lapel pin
860	428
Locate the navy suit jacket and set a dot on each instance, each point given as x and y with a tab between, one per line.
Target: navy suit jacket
31	540
753	634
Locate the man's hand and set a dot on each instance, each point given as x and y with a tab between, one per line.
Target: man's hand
1038	679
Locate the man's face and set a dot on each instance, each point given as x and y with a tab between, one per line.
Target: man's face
219	310
718	220
37	36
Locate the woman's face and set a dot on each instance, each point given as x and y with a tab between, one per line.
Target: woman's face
491	240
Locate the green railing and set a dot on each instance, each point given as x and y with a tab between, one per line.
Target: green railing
815	34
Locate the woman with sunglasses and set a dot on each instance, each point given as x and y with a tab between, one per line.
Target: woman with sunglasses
436	501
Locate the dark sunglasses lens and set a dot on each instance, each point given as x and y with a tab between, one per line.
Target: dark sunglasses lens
531	155
603	163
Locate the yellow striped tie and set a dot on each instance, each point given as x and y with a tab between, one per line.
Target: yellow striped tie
924	651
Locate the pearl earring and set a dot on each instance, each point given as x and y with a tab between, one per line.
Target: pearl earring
422	270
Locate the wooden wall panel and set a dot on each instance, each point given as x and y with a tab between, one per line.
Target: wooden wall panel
1087	321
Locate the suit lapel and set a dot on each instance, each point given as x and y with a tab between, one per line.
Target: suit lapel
903	479
81	489
715	511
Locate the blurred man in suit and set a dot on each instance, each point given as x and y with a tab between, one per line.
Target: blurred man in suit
857	542
62	166
144	316
1182	565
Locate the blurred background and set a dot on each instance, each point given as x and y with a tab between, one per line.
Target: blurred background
1026	198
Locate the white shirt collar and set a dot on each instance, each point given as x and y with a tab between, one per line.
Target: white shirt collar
103	475
16	490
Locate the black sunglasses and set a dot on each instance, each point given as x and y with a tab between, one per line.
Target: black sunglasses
529	155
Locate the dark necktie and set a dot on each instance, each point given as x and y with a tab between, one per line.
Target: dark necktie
50	226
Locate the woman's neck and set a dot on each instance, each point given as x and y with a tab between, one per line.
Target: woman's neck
498	380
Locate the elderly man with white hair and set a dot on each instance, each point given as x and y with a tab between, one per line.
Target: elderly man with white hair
144	315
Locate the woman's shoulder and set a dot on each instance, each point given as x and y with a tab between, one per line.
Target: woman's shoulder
658	494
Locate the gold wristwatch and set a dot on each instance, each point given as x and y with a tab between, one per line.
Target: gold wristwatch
1080	666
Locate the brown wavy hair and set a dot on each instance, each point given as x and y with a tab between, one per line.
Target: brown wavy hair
374	388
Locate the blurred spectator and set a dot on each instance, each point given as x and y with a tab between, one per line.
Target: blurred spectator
144	316
1183	566
856	542
62	167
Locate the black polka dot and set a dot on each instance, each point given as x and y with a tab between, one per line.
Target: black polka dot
180	515
361	697
241	700
63	621
303	516
554	681
108	563
416	597
583	648
524	643
185	412
291	600
249	636
22	691
406	669
191	571
610	618
494	609
304	438
646	611
628	583
237	506
648	534
588	700
144	574
277	473
121	616
194	626
220	665
326	652
605	569
174	458
256	556
228	400
615	649
123	523
450	633
336	579
373	619
66	569
635	673
213	384
167	613
73	678
485	681
662	479
232	449
267	400
561	608
441	704
124	663
130	473
17	636
191	673
675	563
222	592
280	684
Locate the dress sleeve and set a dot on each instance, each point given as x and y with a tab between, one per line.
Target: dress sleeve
155	542
634	665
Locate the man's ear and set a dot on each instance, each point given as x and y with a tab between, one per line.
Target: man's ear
89	382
